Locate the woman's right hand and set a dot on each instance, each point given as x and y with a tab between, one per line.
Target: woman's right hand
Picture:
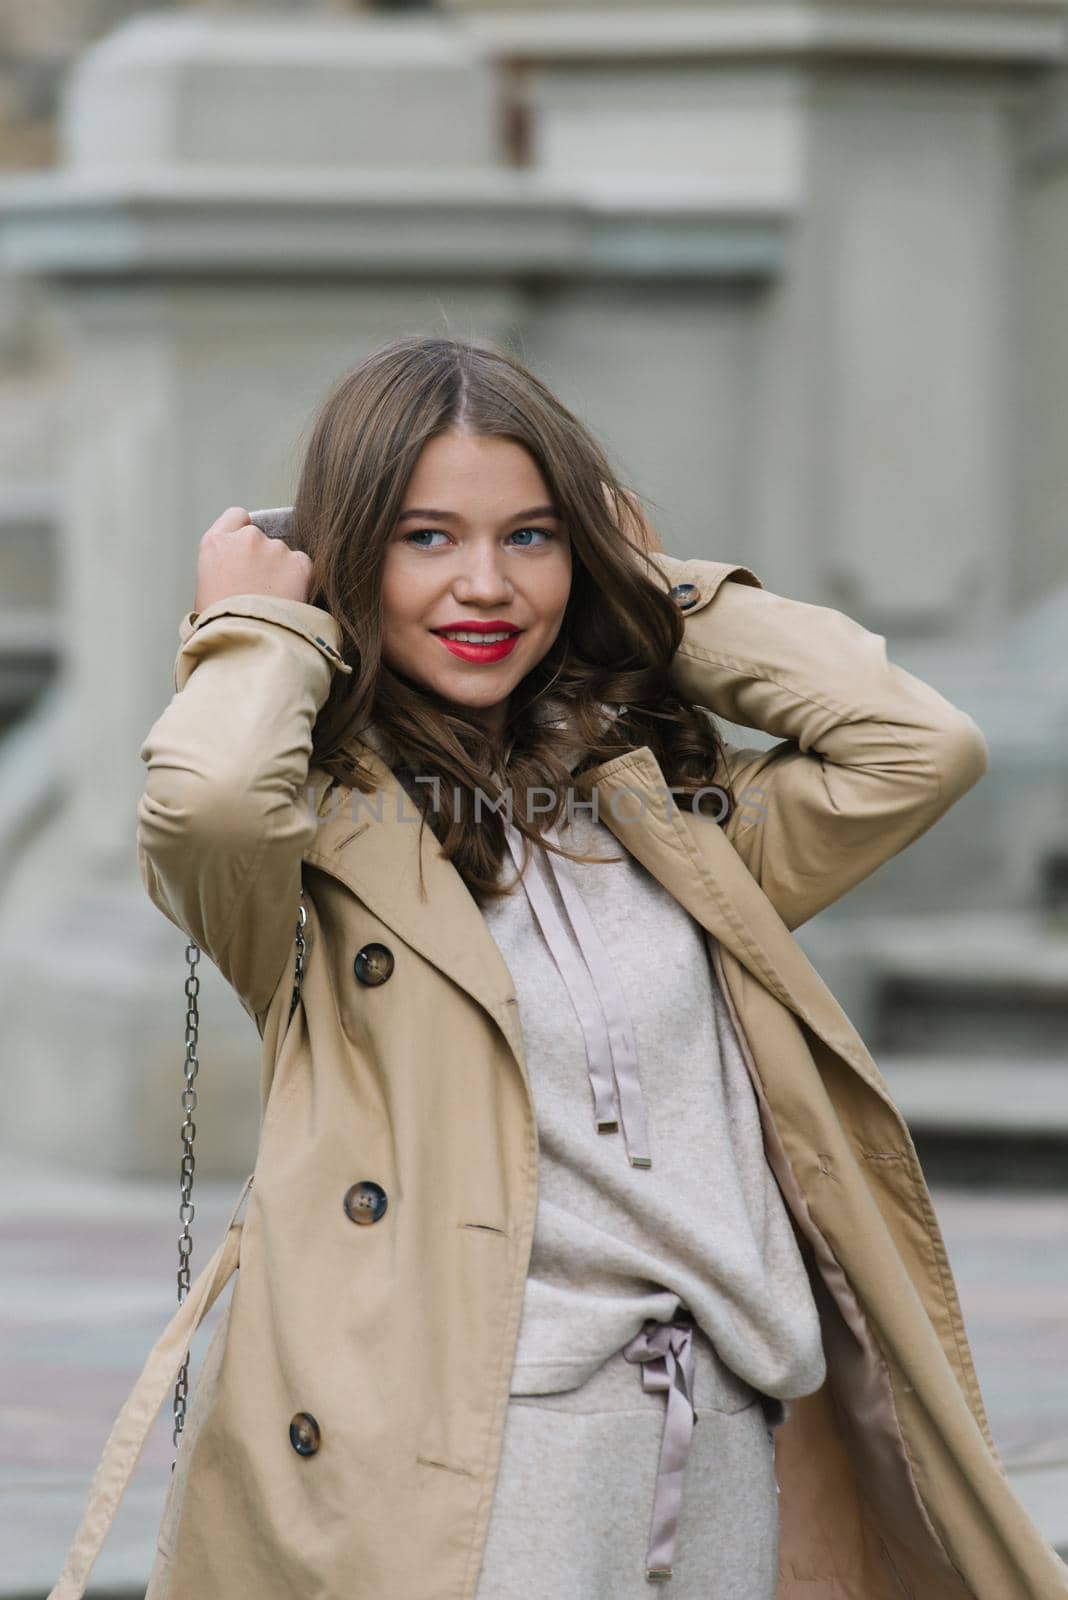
236	557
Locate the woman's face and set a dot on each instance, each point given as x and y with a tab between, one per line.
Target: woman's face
477	541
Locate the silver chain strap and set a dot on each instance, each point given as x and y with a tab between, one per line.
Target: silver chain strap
186	1209
302	917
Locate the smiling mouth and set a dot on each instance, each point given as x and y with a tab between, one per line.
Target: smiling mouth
477	635
477	647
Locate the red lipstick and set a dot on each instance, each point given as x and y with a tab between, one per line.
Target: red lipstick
467	650
476	627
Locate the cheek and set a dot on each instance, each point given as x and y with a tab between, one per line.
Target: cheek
556	594
392	628
400	611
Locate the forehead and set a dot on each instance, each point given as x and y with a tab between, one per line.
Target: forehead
468	474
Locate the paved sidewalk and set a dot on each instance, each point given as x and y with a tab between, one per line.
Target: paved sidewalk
87	1282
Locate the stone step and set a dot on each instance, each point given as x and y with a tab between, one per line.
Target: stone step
979	946
966	1017
989	984
1000	1095
969	1026
993	1123
988	1015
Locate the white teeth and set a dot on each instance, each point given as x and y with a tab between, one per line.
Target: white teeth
478	638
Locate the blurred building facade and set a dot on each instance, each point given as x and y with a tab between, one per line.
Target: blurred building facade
798	264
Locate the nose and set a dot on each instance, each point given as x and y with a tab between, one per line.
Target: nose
482	579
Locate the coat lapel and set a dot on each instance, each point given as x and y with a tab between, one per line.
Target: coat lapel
374	844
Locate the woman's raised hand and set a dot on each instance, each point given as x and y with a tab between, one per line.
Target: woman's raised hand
236	557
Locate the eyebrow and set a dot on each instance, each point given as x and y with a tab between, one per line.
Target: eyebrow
429	511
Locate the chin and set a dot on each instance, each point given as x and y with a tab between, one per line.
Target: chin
469	702
476	707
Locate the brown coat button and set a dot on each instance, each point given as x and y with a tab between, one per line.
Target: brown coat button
365	1202
373	964
685	595
304	1434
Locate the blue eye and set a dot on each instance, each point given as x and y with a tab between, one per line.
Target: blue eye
414	535
546	531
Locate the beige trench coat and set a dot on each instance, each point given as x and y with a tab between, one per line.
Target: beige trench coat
398	1336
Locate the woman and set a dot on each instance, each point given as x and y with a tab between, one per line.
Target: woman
580	1211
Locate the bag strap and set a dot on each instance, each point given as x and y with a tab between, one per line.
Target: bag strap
186	1209
127	1438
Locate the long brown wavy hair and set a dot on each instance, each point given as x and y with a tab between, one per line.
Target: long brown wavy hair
620	629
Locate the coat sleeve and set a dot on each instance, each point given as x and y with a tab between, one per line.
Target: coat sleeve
224	817
868	758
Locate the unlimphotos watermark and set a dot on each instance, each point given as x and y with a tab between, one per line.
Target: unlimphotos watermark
625	804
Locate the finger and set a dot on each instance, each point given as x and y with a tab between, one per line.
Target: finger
232	518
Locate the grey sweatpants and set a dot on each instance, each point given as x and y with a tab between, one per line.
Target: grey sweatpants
574	1500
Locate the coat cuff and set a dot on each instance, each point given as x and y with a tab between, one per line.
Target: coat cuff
694	583
311	622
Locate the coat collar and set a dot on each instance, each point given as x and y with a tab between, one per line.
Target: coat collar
375	845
